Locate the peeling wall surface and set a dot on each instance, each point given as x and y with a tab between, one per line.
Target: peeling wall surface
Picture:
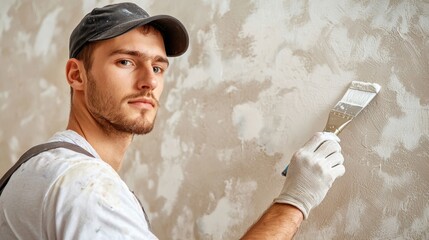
258	80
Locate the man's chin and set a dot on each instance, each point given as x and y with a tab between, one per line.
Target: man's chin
142	131
132	127
141	128
138	125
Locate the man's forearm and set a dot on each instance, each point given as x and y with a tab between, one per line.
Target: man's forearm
280	221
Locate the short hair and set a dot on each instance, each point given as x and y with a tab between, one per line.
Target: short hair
85	55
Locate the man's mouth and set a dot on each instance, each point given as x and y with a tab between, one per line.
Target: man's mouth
143	102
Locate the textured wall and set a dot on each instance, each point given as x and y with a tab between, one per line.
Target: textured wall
258	80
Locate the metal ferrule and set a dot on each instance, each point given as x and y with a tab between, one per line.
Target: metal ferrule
337	121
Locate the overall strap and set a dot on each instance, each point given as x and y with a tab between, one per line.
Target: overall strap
36	150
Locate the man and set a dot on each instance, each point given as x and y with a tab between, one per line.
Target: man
118	57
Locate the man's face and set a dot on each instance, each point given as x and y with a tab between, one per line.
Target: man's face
126	81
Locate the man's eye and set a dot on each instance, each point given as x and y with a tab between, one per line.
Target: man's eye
125	62
157	69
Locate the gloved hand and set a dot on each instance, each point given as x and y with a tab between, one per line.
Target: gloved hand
311	172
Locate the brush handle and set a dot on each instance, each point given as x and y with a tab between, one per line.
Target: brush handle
285	171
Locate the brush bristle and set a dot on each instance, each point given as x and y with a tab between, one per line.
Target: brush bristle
360	93
365	86
357	97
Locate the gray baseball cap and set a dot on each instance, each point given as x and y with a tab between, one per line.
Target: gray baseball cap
113	20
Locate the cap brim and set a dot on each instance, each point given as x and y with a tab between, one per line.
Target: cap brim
176	39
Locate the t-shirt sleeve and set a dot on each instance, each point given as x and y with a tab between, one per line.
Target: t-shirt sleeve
90	201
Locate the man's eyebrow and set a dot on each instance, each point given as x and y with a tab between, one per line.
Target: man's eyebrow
156	58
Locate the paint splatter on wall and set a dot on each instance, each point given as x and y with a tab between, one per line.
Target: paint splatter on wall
258	80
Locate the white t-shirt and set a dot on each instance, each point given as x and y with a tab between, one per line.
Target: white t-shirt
62	194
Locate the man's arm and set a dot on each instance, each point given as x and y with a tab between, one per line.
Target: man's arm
311	172
280	221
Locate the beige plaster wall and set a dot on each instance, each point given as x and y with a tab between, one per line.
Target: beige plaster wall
258	80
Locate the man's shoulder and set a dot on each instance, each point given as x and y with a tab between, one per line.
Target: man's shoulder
61	176
36	176
55	162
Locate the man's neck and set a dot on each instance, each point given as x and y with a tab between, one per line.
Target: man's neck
111	146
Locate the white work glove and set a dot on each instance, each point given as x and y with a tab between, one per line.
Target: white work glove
311	172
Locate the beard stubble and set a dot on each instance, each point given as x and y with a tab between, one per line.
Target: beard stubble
108	113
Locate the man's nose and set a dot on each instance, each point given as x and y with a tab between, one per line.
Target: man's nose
147	79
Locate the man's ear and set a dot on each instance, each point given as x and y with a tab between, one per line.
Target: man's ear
76	74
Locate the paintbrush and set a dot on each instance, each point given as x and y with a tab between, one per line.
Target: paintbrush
357	97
